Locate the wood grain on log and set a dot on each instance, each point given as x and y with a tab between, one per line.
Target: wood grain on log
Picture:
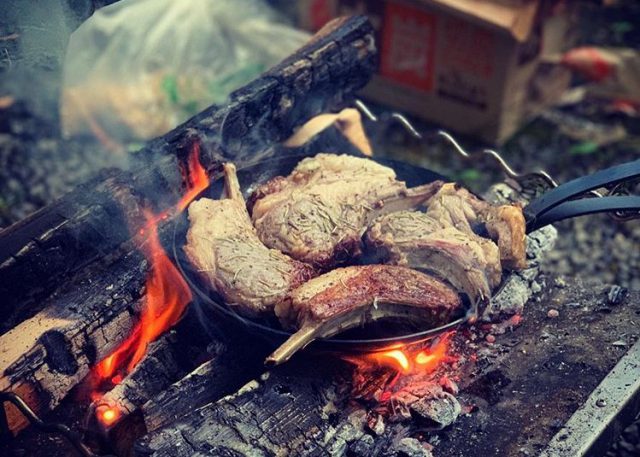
238	363
47	248
168	359
284	413
45	356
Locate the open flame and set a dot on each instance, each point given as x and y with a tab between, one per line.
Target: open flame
167	293
407	359
388	381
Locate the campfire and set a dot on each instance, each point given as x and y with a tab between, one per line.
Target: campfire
131	341
167	295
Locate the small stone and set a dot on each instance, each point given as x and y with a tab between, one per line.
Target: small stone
619	343
375	422
535	287
616	295
573	305
439	411
560	283
553	313
362	447
449	386
490	338
411	447
600	403
603	309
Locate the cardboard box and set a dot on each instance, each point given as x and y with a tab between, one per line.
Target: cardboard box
473	66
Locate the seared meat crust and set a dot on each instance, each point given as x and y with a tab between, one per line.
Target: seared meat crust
348	297
505	224
417	240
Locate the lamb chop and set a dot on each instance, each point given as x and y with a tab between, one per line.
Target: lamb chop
223	246
348	297
419	240
505	224
319	212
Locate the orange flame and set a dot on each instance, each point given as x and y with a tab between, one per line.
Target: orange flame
395	357
196	177
167	297
167	292
408	360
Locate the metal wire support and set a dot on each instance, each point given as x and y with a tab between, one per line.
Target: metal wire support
19	403
540	180
530	184
624	188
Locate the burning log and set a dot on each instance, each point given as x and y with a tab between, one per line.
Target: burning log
45	356
303	408
167	359
50	352
54	243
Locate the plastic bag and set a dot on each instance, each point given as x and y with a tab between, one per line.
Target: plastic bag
138	68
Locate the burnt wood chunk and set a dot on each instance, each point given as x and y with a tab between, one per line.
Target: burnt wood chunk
168	359
239	361
283	413
45	356
42	251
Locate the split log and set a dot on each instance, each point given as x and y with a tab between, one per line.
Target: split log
234	363
284	413
48	247
45	356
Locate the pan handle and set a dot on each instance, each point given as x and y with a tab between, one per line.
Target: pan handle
579	186
583	207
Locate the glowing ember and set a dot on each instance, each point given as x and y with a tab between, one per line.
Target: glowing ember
167	293
107	415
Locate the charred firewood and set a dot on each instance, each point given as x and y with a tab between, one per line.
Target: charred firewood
283	413
45	249
168	359
238	363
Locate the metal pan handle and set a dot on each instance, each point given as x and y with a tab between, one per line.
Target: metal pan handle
579	186
583	207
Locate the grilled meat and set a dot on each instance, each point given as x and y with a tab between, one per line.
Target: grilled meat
348	297
223	246
505	224
319	212
418	240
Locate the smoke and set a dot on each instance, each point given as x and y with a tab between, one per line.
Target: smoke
34	40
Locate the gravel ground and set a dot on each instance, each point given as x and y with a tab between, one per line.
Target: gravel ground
37	167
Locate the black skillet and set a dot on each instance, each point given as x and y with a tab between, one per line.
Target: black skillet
555	205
